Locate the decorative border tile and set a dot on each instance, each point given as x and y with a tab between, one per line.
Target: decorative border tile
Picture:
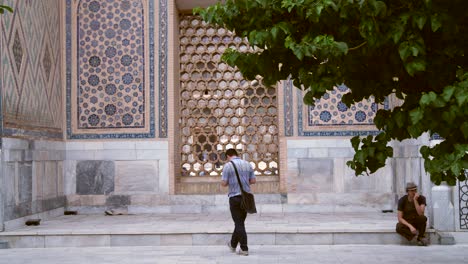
288	108
162	68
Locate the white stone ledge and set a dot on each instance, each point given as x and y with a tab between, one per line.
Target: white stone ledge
340	152
318	153
80	155
151	154
77	145
162	145
49	145
319	143
14	143
297	153
119	154
119	145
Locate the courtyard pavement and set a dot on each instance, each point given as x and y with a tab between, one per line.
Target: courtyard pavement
323	254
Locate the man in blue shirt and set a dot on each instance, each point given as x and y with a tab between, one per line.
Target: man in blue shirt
229	178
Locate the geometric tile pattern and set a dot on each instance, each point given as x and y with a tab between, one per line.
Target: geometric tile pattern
110	64
331	110
331	117
288	109
112	95
30	76
163	43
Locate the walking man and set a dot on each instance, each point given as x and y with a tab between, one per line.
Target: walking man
411	218
229	178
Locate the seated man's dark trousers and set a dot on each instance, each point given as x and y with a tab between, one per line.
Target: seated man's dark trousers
419	222
238	215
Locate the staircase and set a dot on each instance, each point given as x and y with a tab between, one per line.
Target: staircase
208	229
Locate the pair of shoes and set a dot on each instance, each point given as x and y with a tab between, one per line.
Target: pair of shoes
232	249
423	242
243	252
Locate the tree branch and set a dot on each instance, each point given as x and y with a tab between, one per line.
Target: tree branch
358	46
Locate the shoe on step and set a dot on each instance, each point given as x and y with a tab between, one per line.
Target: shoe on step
232	249
243	252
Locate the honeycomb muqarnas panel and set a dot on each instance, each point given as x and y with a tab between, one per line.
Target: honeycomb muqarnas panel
219	108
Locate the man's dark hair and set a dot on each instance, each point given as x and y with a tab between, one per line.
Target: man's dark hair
231	152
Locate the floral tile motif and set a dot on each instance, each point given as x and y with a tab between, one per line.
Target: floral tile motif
330	110
331	117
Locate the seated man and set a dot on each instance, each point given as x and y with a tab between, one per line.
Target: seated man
411	219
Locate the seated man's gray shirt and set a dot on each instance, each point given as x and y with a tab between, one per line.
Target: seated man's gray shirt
246	173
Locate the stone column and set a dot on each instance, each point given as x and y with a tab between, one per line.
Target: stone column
443	211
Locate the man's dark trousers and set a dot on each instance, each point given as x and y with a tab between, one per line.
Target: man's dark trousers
419	222
238	215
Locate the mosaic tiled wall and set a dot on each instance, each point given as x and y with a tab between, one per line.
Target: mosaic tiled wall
30	75
110	84
330	116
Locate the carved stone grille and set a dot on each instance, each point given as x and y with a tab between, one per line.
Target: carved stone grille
219	108
463	192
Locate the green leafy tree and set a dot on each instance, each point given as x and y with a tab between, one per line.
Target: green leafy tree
412	49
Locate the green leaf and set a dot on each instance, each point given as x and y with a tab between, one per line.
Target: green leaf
404	50
380	8
420	20
426	99
448	92
355	141
4	7
342	47
309	98
361	157
414	66
416	115
461	96
274	32
464	129
435	22
400	118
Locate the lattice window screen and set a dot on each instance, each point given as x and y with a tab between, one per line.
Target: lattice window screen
219	108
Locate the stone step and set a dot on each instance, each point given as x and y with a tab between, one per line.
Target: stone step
208	229
200	239
3	244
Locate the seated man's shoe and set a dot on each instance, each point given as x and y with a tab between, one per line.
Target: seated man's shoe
243	252
232	249
423	242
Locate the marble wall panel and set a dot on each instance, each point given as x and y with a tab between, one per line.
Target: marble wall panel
362	183
49	180
9	184
95	177
136	176
69	170
38	176
315	175
25	182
